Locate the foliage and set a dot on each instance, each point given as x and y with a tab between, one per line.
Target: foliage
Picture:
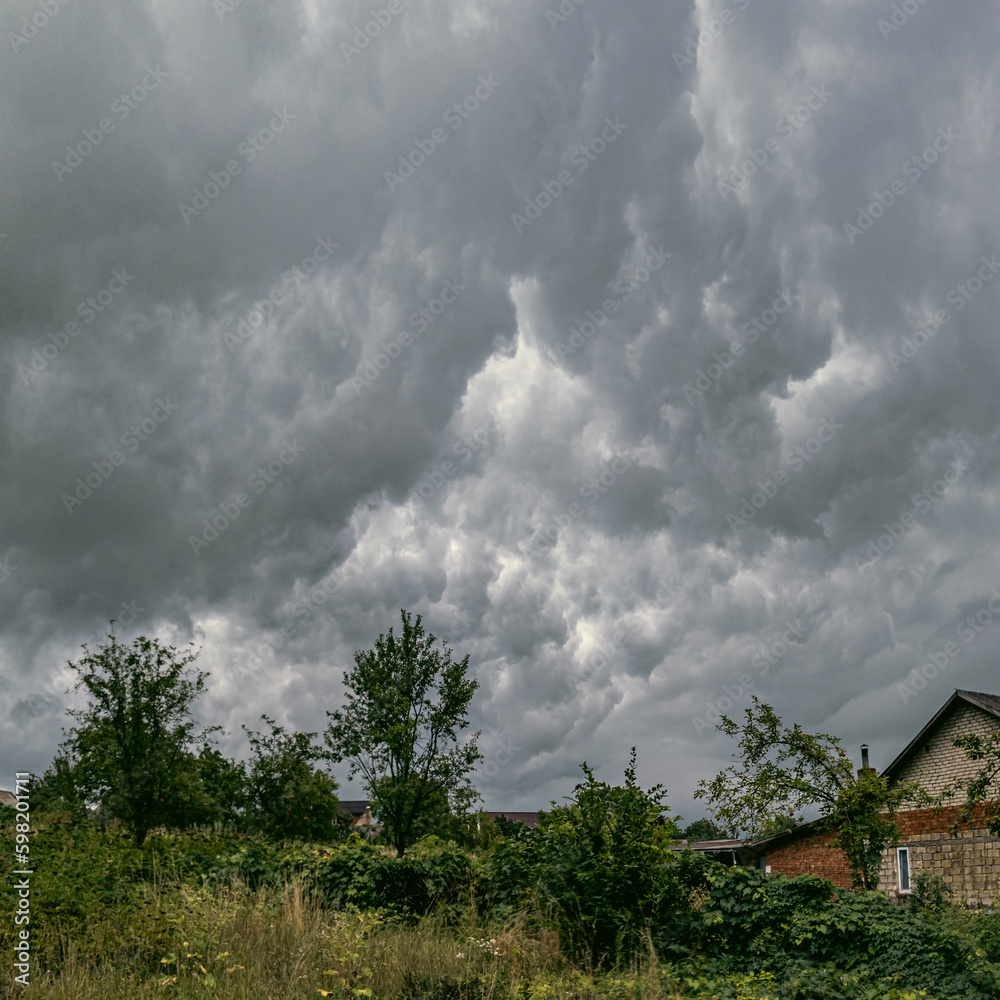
58	790
433	873
178	918
929	891
130	741
286	796
406	703
703	829
601	869
753	921
981	791
782	770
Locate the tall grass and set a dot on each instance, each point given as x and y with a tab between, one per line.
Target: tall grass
236	944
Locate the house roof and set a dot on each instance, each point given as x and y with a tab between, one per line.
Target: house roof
987	702
353	807
529	819
796	831
708	846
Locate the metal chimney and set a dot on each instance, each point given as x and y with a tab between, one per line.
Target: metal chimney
864	760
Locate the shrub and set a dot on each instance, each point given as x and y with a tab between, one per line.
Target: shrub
433	872
600	870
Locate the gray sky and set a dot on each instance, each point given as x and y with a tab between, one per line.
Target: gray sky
623	342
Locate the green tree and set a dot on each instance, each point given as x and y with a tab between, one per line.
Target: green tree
406	703
601	868
781	770
58	790
982	788
703	829
131	738
286	795
205	789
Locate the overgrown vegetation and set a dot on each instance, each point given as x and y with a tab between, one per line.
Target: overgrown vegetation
198	876
232	915
780	770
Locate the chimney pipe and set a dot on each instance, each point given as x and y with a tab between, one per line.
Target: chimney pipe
864	761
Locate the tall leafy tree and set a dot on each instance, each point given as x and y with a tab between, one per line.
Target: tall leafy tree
406	703
287	795
781	770
134	735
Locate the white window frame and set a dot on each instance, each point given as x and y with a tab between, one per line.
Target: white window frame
900	852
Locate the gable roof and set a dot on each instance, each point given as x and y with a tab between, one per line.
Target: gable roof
352	807
987	702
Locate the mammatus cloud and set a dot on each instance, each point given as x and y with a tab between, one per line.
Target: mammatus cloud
618	342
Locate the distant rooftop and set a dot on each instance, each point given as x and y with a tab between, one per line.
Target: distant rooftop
529	819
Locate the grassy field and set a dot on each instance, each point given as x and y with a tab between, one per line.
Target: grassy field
109	920
242	945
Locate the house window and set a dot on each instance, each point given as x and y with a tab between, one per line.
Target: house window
903	862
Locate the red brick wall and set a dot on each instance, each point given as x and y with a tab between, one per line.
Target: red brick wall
969	863
811	856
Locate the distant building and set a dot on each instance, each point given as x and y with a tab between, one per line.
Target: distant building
727	852
360	813
529	819
969	864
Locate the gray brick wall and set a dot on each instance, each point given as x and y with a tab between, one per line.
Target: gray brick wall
938	763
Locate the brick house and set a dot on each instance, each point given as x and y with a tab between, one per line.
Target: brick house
969	864
361	815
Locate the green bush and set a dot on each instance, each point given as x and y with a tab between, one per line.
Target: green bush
600	870
432	873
